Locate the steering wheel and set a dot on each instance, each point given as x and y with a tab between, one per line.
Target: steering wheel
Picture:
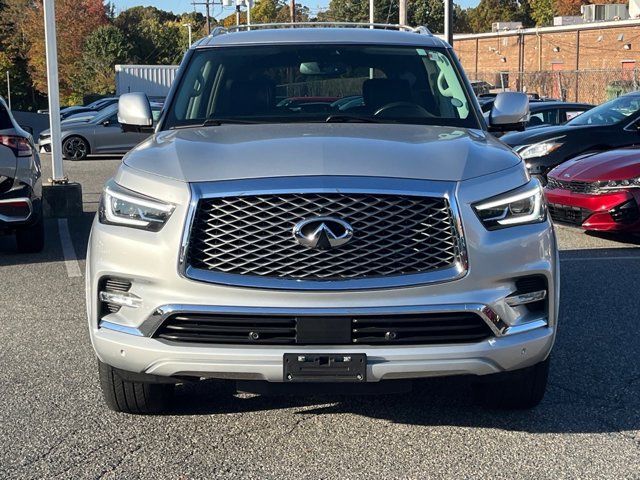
610	117
402	109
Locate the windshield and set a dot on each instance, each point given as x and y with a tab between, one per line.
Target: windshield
105	113
609	113
293	83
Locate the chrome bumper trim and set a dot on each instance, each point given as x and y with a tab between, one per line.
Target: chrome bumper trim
153	322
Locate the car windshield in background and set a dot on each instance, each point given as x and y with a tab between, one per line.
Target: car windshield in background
610	113
318	83
104	114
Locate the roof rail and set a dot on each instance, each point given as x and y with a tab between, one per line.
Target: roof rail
394	26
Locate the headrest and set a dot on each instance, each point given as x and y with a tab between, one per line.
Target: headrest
251	96
378	92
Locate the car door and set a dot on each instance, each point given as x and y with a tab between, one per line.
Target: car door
107	136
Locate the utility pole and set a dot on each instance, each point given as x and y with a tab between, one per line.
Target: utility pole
448	21
9	90
292	9
207	4
249	4
371	12
403	12
188	25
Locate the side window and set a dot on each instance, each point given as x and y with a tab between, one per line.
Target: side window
544	117
445	84
571	114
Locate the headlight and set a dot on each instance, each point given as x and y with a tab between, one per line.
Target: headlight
521	206
120	206
539	149
608	186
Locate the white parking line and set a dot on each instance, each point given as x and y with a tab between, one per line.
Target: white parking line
70	259
588	259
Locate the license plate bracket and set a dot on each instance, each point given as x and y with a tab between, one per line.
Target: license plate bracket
325	367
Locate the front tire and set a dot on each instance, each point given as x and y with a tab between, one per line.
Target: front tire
519	389
130	396
31	239
75	148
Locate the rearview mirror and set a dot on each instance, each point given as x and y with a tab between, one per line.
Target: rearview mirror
134	113
510	112
322	69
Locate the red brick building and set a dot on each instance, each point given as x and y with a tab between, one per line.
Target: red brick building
585	62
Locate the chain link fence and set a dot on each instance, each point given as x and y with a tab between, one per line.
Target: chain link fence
588	86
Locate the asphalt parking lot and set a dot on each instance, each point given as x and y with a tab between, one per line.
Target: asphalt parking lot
55	425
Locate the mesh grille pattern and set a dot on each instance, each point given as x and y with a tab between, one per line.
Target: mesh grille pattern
575	186
393	235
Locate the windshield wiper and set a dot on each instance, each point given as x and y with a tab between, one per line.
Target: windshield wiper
341	118
209	122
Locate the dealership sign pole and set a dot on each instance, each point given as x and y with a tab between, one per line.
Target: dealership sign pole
54	94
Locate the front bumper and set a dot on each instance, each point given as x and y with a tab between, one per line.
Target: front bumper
612	212
149	260
141	354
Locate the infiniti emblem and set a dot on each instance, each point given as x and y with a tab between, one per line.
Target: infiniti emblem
322	233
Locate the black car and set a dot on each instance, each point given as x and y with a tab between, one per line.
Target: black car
610	125
545	112
548	113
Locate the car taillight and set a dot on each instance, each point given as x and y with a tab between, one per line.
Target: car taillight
20	145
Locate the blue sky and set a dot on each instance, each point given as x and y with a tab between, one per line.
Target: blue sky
179	6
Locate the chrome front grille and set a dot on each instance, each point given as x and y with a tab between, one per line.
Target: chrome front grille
394	235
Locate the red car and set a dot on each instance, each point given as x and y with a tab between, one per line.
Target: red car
600	191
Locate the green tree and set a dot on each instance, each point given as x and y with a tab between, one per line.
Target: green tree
542	12
103	49
154	35
489	11
430	13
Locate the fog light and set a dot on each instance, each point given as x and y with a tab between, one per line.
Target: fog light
122	299
524	298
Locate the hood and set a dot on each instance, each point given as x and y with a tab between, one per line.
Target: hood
230	152
80	119
67	126
612	165
535	135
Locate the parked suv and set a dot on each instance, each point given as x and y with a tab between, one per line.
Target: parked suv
288	249
20	185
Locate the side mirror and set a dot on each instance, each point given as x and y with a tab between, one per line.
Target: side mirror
510	112
27	128
134	113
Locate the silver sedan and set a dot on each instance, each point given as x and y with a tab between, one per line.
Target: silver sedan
101	134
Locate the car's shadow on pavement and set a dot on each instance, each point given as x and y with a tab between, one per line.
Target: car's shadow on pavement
79	228
627	238
594	384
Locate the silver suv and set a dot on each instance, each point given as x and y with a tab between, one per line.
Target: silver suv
322	207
